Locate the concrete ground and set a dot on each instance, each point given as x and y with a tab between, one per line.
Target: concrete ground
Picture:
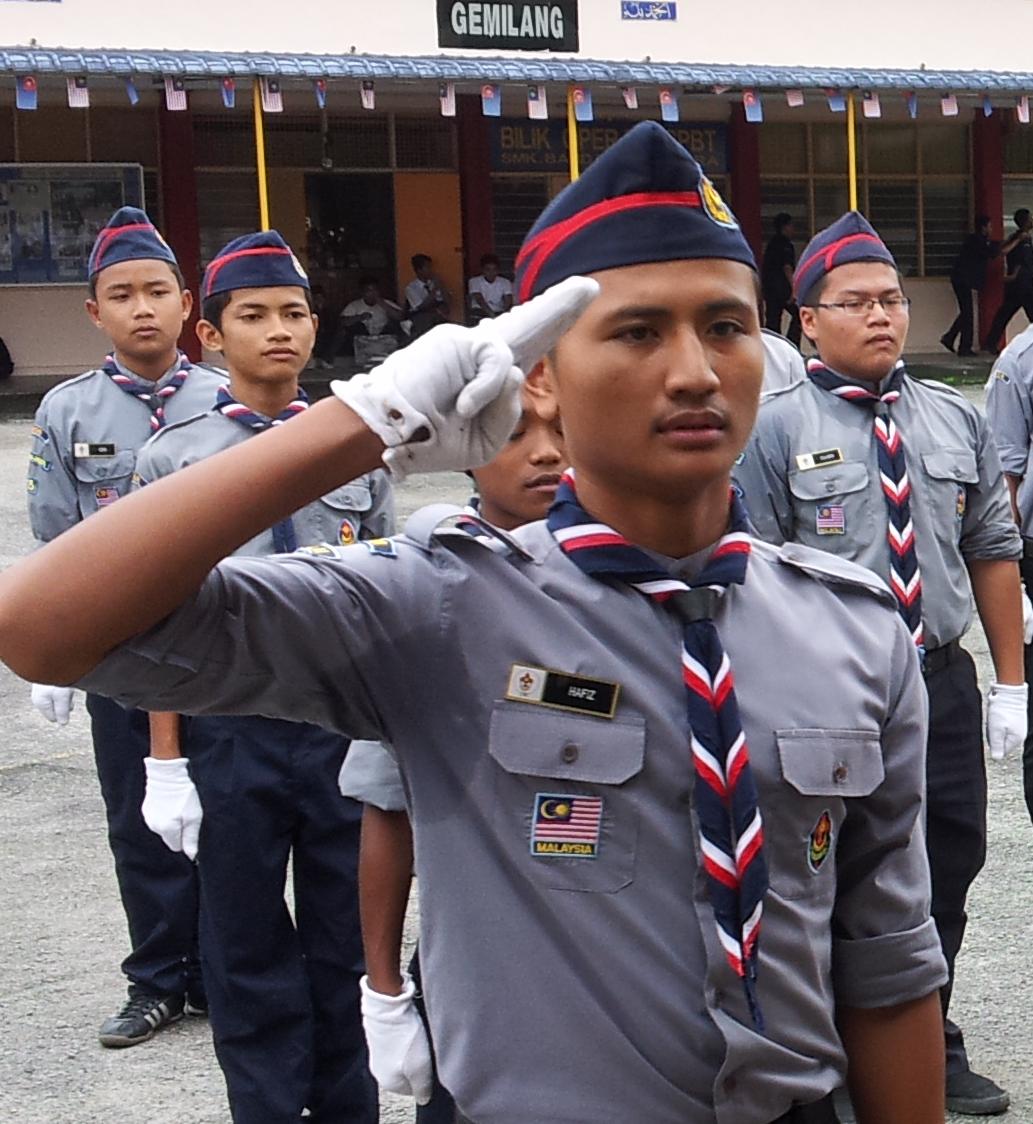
63	934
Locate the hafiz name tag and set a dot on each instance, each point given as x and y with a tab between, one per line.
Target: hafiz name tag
543	687
102	449
821	459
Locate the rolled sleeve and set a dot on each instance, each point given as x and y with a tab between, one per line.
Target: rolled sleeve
888	970
988	530
371	775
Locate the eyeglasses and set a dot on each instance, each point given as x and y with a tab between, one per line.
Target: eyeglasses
859	306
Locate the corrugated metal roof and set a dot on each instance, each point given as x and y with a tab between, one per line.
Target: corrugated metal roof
211	64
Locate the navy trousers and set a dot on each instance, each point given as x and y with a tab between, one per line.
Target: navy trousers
283	995
158	887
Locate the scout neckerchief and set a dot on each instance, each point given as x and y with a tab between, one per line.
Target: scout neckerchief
731	836
905	576
284	538
151	394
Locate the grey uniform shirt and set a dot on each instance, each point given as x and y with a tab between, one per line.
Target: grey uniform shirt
783	363
1009	409
810	474
567	989
86	438
363	509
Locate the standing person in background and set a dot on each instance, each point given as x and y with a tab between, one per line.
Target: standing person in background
776	279
284	996
490	293
87	435
968	275
426	298
1018	280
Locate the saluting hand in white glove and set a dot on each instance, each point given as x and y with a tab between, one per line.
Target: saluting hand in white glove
54	703
1006	718
399	1051
171	807
451	398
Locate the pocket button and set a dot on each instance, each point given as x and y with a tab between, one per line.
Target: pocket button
570	753
840	773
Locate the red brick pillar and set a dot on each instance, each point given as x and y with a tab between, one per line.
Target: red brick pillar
182	228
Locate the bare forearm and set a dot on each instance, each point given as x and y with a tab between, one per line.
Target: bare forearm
385	873
165	744
995	585
895	1058
122	570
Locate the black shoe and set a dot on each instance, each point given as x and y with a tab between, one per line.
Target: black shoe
971	1094
947	344
142	1015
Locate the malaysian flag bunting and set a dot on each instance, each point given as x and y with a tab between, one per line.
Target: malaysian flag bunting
537	105
794	98
272	95
949	105
630	96
582	103
912	105
132	93
731	836
491	100
870	105
368	94
752	107
229	92
78	92
1022	109
175	95
447	98
669	105
26	92
836	100
319	89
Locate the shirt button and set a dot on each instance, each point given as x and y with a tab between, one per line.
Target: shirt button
830	486
840	773
570	753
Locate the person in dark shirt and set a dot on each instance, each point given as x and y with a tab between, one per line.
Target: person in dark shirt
1018	280
776	279
968	273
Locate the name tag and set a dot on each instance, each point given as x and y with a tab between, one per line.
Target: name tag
542	687
102	449
821	459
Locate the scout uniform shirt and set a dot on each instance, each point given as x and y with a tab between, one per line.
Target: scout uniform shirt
810	474
584	980
87	435
1009	409
363	509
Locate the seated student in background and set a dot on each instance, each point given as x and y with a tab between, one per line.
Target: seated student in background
490	294
517	487
427	300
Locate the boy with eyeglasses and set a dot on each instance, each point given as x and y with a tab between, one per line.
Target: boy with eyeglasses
902	476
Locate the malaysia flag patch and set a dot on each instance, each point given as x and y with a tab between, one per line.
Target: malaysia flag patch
565	826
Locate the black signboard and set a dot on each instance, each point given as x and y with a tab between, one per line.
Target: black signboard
509	25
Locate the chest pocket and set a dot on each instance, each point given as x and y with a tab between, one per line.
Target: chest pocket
560	811
342	513
100	480
830	498
822	770
948	472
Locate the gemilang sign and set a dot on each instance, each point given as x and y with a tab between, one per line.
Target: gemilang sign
512	25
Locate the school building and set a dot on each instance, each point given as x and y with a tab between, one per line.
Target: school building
368	132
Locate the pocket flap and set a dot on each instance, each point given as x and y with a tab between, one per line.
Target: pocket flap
951	464
836	480
831	762
105	468
351	497
538	742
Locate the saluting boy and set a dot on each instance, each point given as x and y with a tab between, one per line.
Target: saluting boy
283	995
654	890
87	435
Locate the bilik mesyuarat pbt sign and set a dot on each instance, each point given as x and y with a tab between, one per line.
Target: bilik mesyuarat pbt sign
510	25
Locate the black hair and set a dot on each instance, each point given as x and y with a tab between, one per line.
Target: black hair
1021	215
176	272
419	261
489	259
982	220
369	279
781	221
213	307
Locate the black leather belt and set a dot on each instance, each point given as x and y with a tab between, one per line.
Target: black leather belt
821	1112
936	659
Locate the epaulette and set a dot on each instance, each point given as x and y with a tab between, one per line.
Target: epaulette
944	388
778	391
66	384
172	427
829	569
438	520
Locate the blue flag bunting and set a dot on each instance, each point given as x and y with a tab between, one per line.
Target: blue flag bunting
27	92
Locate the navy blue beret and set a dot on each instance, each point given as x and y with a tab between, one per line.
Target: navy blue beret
850	238
644	200
253	261
129	236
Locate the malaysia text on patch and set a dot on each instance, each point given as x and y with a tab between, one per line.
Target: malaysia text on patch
566	826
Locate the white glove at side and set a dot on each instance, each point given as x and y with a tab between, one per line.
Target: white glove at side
1006	718
1027	619
399	1052
54	703
171	807
451	398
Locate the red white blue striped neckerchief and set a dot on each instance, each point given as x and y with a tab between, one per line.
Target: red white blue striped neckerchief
152	394
727	806
285	539
905	574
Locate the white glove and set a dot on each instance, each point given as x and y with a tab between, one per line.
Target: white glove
1027	619
1006	718
171	807
399	1052
54	703
451	399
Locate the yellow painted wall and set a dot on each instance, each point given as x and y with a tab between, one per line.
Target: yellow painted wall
287	207
428	221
